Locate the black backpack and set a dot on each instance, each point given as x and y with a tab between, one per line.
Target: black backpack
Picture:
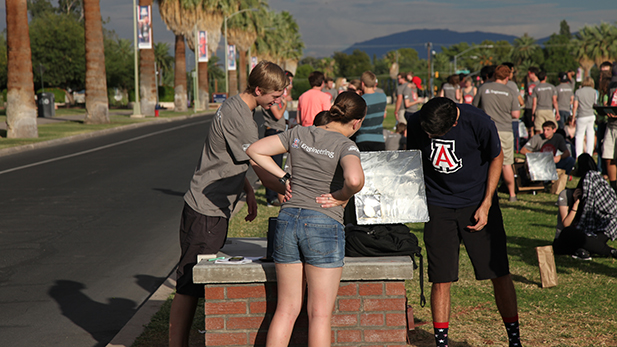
382	240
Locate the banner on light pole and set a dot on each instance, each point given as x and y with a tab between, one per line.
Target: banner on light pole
144	27
231	58
203	46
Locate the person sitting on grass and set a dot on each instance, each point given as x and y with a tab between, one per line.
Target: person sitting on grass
548	141
587	216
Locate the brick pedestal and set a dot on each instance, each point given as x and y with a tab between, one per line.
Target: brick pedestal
370	308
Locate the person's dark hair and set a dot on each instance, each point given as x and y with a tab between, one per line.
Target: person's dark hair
453	80
534	70
549	124
316	78
289	73
541	75
400	128
328	79
508	64
606	64
486	73
356	84
347	107
321	118
585	164
438	116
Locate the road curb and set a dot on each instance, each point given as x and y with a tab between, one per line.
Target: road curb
136	325
69	139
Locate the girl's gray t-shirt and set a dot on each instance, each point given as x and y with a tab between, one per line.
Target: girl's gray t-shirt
315	156
586	98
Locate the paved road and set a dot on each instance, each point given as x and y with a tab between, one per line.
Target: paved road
88	230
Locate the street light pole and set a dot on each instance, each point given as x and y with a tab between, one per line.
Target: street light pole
226	49
467	50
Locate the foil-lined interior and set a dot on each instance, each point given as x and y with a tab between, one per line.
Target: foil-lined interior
394	190
541	166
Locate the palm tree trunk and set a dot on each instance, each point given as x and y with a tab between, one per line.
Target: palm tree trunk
147	78
242	69
97	104
180	76
233	82
21	109
204	85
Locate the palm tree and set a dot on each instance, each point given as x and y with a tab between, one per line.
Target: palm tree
164	61
181	17
97	104
242	30
21	109
524	48
584	49
180	86
604	43
147	77
282	43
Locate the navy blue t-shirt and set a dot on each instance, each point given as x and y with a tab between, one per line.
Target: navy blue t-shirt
456	164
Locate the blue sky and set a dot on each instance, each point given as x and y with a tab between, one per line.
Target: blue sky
327	26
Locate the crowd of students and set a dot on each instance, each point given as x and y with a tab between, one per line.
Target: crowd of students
465	150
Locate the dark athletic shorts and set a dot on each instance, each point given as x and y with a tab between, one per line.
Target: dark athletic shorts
486	248
199	234
527	118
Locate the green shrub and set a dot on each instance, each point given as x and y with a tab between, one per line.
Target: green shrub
166	94
59	94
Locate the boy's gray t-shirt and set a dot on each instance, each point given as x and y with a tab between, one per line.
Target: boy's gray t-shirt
315	154
564	94
218	180
498	101
586	98
544	93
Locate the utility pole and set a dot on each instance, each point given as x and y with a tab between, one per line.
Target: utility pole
429	81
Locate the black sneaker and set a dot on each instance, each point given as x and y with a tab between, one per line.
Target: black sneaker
614	252
581	254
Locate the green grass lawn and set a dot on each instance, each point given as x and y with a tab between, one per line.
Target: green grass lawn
580	311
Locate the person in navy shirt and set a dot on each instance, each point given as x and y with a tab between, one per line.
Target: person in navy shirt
462	162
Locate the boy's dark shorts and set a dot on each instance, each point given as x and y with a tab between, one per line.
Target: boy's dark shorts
199	234
526	118
486	248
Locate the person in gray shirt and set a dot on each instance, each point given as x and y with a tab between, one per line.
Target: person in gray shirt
309	240
584	116
544	100
565	98
501	103
217	185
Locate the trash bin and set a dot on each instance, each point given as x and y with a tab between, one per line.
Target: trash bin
45	104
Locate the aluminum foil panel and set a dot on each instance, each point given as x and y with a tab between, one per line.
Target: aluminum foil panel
393	190
541	166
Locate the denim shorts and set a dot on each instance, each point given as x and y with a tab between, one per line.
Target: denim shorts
307	236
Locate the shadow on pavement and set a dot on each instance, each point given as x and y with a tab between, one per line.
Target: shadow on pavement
101	320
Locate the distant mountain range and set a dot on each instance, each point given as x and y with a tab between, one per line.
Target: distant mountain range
418	38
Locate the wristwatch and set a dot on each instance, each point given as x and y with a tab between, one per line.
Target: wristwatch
284	179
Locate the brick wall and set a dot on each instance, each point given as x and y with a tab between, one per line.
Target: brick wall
366	314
